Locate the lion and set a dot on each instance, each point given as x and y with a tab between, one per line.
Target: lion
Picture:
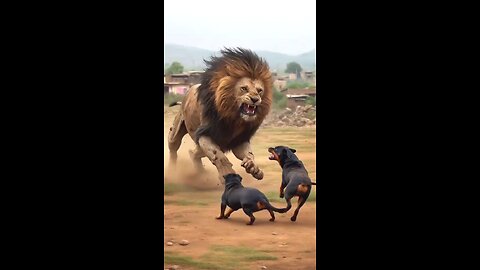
223	112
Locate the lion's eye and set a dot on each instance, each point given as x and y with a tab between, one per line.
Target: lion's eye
259	90
243	88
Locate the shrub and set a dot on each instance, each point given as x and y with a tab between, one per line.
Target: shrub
169	98
311	101
279	100
298	84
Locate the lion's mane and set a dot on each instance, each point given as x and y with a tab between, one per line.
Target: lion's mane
216	93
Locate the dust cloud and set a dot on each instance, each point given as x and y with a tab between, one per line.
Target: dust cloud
184	172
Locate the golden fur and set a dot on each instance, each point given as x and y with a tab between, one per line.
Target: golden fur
213	109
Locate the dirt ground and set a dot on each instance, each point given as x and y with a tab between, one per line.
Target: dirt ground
191	203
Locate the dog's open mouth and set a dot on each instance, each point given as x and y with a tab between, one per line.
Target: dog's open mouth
248	109
273	155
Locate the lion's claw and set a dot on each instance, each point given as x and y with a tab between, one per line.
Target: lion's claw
258	175
252	169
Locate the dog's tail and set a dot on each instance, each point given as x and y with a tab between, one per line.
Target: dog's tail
175	103
314	183
279	210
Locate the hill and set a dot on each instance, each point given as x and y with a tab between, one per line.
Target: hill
192	58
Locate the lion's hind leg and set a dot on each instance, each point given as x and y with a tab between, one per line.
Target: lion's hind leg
175	135
196	155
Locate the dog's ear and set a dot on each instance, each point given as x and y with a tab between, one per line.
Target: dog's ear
232	176
293	150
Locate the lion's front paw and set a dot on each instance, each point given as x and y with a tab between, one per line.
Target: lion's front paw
252	168
248	164
258	175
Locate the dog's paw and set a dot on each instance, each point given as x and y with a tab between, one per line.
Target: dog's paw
293	218
220	217
249	223
272	219
282	195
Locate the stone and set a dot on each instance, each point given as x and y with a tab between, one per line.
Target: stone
184	242
169	244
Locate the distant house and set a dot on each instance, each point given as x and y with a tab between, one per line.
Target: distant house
195	77
298	97
180	83
280	83
176	88
309	76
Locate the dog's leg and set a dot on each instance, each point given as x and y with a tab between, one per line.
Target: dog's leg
282	187
222	211
250	214
216	156
301	201
244	153
196	155
289	202
175	135
229	212
271	214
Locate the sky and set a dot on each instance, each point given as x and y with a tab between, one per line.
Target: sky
274	25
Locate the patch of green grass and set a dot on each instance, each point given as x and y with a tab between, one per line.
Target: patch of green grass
221	257
273	196
189	261
171	188
245	252
184	202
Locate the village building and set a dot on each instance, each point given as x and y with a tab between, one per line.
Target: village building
298	97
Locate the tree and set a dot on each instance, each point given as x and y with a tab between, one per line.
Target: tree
293	67
174	68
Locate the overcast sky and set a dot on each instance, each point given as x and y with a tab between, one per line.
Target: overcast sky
274	25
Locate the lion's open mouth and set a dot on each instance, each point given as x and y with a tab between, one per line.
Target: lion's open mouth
248	109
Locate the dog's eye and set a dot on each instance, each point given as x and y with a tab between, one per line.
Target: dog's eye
243	88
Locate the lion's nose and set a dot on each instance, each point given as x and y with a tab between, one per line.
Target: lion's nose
254	99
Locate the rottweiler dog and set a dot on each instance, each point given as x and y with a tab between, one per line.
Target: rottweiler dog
295	178
251	200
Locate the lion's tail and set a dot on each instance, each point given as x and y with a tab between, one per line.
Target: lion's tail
175	103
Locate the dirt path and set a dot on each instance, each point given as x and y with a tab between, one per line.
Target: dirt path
193	202
293	245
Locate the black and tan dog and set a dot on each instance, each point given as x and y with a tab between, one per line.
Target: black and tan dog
251	200
295	178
